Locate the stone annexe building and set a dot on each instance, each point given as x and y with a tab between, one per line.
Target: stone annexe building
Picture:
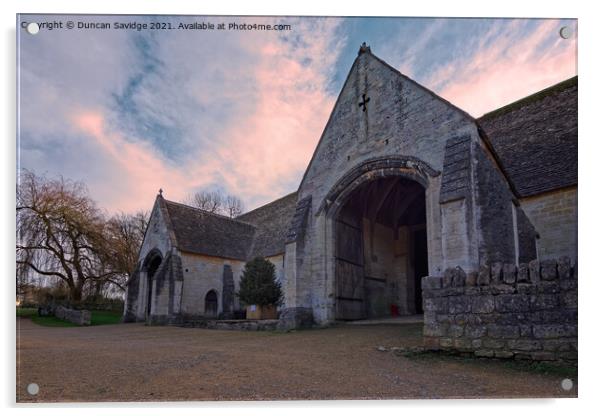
402	185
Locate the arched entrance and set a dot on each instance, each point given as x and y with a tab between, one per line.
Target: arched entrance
211	303
380	248
151	265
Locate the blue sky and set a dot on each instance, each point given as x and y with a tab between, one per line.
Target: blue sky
129	112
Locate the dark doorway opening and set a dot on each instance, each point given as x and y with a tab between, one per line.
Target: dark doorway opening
211	303
153	263
380	250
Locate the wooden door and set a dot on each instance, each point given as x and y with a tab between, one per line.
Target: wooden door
421	266
211	304
349	275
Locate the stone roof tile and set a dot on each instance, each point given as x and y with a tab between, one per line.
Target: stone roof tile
272	221
536	139
201	232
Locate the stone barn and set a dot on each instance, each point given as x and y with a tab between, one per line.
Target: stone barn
191	260
402	185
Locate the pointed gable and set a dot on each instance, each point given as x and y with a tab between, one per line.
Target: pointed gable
260	232
380	112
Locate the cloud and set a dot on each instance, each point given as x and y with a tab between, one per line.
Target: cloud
130	112
244	117
509	63
137	171
268	150
413	53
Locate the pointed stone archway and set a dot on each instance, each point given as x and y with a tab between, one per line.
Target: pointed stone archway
151	264
377	220
380	250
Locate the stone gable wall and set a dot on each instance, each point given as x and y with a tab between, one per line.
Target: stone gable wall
504	311
157	235
401	119
155	238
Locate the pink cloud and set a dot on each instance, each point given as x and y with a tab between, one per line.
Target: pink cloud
508	70
257	158
140	170
268	150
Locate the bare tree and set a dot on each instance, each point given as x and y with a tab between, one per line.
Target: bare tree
61	233
211	201
23	278
233	206
126	233
216	202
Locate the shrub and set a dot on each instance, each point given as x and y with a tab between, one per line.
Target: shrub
258	285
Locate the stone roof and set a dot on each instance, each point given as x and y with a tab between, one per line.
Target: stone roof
535	139
261	232
201	232
272	221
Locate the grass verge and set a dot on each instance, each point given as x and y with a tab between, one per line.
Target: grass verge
98	318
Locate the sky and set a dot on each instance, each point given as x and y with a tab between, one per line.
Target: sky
128	112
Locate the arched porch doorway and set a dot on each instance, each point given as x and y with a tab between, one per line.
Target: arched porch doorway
150	266
380	249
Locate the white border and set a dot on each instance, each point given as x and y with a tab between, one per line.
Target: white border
590	196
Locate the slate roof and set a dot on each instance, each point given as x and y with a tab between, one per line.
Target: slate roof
260	232
198	231
536	139
272	221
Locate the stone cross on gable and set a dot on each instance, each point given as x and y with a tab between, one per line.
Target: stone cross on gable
364	103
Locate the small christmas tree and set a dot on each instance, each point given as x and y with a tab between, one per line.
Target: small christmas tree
258	285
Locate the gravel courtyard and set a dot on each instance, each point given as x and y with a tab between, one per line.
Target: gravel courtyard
133	362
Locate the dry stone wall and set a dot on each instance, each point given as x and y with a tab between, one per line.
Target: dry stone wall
504	311
78	317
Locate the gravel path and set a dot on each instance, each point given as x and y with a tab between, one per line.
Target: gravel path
133	362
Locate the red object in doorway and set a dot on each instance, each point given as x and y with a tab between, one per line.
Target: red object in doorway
394	310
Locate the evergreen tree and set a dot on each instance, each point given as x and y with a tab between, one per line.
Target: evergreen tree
258	285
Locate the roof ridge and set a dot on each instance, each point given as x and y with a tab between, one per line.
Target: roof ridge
204	211
536	96
268	204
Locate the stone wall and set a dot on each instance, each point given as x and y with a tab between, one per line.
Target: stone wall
494	212
504	311
205	273
167	289
232	325
77	317
554	215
